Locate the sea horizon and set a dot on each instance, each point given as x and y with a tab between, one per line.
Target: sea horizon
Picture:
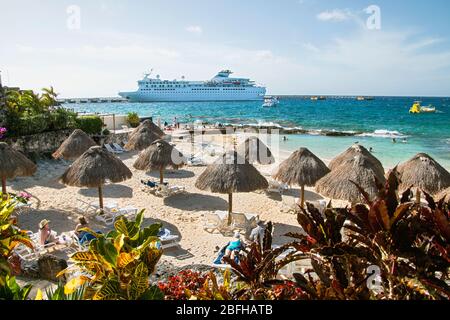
327	127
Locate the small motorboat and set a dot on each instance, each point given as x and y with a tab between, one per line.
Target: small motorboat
417	108
270	102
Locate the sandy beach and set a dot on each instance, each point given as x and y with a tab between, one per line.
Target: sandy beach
182	214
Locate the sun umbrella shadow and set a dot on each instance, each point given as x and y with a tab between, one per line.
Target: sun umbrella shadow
196	202
109	191
173	174
60	220
309	195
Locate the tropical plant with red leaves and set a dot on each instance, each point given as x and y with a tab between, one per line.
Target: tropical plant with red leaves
182	285
407	241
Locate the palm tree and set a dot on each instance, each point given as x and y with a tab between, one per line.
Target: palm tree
48	97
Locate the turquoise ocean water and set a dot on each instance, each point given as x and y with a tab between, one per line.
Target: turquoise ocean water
373	123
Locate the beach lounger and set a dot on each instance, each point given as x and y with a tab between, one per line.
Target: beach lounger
118	147
168	240
243	222
85	207
213	222
110	149
22	207
38	250
167	191
276	187
128	212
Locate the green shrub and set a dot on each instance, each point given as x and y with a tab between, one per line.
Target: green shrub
61	119
28	125
90	124
106	132
133	119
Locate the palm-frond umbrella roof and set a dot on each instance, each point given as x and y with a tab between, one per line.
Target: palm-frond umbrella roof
254	150
160	154
74	146
150	125
424	172
444	194
94	168
141	139
353	151
301	168
359	169
14	164
229	174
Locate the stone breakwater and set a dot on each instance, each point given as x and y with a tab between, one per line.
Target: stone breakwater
230	129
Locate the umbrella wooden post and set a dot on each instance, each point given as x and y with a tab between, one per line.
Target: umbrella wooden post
161	175
302	196
230	207
100	196
418	196
4	195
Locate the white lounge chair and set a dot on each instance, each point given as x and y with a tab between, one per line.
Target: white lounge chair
276	187
169	240
213	222
110	149
167	191
118	147
128	212
243	222
85	207
21	207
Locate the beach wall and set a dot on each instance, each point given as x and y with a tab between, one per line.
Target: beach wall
42	145
115	121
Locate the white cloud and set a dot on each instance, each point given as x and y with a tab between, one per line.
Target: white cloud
310	47
363	63
194	29
336	15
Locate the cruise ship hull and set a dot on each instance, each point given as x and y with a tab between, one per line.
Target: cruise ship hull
173	97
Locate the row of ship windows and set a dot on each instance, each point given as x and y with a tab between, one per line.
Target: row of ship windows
210	90
192	91
182	86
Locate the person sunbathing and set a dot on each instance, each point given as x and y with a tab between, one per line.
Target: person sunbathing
46	236
234	247
82	235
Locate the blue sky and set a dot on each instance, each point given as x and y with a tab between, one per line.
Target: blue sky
291	46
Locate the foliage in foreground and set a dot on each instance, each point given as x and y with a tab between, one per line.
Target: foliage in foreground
391	248
117	266
10	238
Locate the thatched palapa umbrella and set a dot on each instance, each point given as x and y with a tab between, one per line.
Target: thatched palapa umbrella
13	164
353	151
444	194
159	156
230	174
359	169
74	146
254	150
423	172
302	168
94	168
141	139
150	125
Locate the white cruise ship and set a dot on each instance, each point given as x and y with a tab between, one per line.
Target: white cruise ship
219	88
